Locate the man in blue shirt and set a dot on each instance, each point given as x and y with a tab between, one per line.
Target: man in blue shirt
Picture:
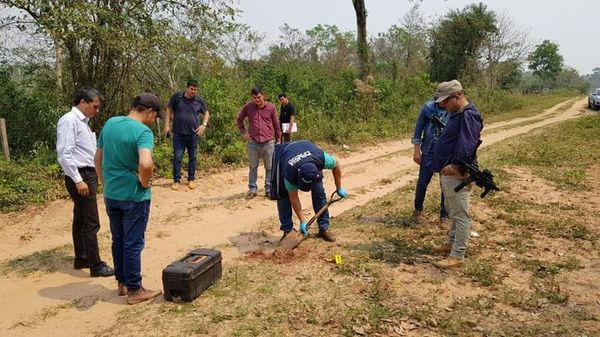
457	144
185	109
425	136
301	165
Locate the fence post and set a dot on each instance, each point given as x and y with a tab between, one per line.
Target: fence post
4	137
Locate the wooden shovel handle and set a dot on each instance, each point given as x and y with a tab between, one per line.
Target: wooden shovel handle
332	199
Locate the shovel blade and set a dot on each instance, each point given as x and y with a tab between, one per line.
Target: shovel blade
291	241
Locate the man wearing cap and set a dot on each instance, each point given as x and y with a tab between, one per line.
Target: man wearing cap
458	143
185	109
426	134
301	165
124	165
76	146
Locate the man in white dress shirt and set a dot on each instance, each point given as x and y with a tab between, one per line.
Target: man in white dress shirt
76	147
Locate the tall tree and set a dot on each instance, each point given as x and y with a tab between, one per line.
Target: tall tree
457	40
545	61
361	38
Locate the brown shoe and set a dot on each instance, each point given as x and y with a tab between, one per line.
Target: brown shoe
191	184
444	249
449	262
122	289
417	216
285	233
141	295
444	224
175	186
250	194
326	235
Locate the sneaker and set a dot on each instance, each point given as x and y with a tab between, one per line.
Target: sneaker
105	271
122	288
250	194
417	216
267	192
141	295
444	224
175	186
191	184
285	233
326	235
444	249
449	262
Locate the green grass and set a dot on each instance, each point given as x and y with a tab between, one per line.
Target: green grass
561	153
45	261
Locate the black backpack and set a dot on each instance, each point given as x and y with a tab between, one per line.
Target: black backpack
278	190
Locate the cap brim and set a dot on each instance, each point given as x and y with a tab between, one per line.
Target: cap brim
441	98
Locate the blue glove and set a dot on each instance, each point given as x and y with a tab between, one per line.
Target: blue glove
341	192
303	229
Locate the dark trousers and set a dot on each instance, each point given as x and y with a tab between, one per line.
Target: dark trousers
182	142
287	137
425	175
319	199
128	222
85	220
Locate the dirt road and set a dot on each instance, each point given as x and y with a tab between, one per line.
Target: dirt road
69	303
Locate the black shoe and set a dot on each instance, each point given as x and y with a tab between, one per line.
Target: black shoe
80	264
105	271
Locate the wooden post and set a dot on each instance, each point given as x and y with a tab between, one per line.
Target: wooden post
4	139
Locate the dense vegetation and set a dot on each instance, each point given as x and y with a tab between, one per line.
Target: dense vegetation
103	45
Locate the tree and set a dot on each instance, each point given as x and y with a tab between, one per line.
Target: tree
504	52
457	41
402	50
109	44
361	38
545	61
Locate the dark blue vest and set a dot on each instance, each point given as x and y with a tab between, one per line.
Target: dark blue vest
298	153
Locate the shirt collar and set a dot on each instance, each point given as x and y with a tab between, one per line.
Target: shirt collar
80	114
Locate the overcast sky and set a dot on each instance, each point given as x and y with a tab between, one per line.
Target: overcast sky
574	25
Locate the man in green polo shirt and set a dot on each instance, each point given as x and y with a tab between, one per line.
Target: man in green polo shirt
124	165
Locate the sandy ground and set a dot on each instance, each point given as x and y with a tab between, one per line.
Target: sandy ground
216	214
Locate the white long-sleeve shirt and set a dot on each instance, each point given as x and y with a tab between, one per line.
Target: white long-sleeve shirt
75	143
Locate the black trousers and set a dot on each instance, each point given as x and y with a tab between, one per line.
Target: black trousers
85	220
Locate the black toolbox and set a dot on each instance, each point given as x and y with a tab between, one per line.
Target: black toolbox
188	277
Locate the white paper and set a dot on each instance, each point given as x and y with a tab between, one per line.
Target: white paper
286	126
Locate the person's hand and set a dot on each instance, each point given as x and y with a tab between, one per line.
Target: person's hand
247	137
341	192
200	130
417	158
82	188
304	228
167	132
449	170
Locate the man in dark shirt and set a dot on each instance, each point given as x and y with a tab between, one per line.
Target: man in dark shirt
185	109
301	164
457	144
286	115
263	130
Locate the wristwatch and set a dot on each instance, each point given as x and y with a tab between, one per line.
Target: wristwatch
204	124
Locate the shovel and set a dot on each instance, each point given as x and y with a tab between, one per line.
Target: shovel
293	239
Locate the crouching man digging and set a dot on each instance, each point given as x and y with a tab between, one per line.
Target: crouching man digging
457	144
301	165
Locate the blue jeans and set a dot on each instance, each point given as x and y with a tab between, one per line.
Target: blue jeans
425	175
319	199
256	151
128	221
182	142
